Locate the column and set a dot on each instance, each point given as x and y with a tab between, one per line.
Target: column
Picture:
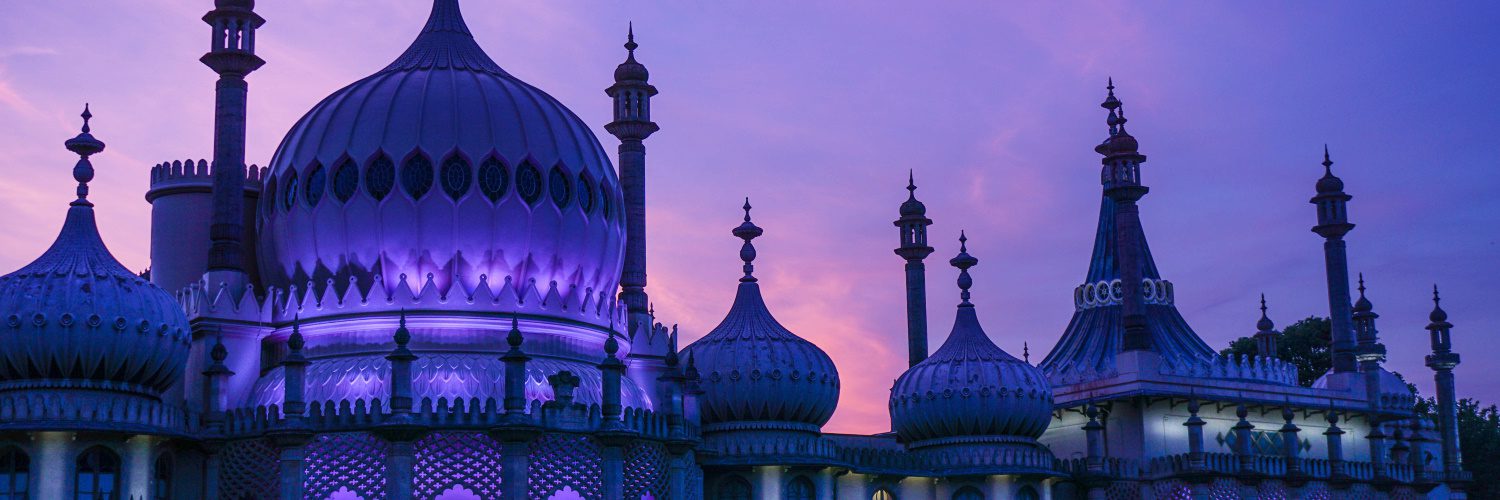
398	469
137	467
614	471
768	482
52	465
517	460
1001	487
824	482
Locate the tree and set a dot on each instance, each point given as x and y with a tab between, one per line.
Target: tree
1304	344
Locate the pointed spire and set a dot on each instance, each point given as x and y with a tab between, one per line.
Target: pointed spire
1026	352
84	145
513	338
402	336
1363	304
747	231
1329	183
295	342
630	44
1438	314
1264	325
963	261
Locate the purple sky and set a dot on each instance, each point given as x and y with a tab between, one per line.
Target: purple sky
817	109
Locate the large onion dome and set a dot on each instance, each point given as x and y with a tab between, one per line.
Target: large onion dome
444	171
755	373
970	390
76	319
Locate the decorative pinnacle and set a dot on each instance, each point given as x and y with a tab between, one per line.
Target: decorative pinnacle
747	231
218	353
1026	351
295	341
403	336
1439	317
514	337
630	44
84	145
1327	163
611	346
963	261
1265	324
911	183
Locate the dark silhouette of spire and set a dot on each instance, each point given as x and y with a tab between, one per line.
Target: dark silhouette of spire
914	250
1333	224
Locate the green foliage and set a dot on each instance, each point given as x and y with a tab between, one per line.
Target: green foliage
1304	344
1478	440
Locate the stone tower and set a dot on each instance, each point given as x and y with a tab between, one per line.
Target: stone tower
913	225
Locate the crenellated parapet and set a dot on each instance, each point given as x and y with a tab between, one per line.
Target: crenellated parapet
171	177
280	305
1252	368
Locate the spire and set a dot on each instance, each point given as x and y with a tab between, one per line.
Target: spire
84	145
1265	324
747	231
914	249
1333	224
1369	352
963	261
630	96
1026	352
445	42
1265	337
1438	315
630	44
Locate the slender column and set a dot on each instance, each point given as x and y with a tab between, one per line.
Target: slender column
291	458
138	466
1001	487
913	225
1195	436
212	463
1335	437
1094	434
1377	447
632	125
1243	449
398	465
516	458
825	484
1289	442
232	56
1442	361
1333	224
677	472
614	472
52	465
768	482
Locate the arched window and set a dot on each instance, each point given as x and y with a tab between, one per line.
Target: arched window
493	179
15	474
529	182
345	180
380	177
289	190
734	488
799	489
1027	493
968	493
97	475
585	194
317	184
416	176
557	183
161	482
456	176
883	494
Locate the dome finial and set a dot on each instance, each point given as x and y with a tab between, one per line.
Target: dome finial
747	231
1026	351
84	145
1265	324
402	336
911	182
1438	315
630	44
1327	163
514	337
963	261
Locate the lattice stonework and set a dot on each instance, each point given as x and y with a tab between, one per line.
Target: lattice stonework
1316	491
247	470
353	462
645	470
1123	491
1358	492
1404	493
1224	489
468	460
564	461
1272	490
1172	489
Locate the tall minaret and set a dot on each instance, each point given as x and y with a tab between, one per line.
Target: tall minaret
1442	361
1121	177
1333	224
232	56
632	125
913	224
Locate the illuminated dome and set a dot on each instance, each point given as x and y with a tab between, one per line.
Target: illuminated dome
75	319
970	390
755	372
444	174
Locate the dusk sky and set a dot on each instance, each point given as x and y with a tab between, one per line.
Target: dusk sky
817	110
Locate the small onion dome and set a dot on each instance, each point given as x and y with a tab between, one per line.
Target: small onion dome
1119	142
630	70
970	387
755	371
1265	324
912	206
75	318
1329	183
1438	315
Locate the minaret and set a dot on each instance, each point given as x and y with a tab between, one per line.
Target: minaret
1121	177
632	125
1265	335
232	56
1442	361
1370	352
1333	224
913	224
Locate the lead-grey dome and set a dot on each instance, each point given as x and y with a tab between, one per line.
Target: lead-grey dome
443	164
970	388
756	372
75	318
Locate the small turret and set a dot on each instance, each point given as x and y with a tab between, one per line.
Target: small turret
632	125
1370	352
1266	336
1121	177
1442	361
